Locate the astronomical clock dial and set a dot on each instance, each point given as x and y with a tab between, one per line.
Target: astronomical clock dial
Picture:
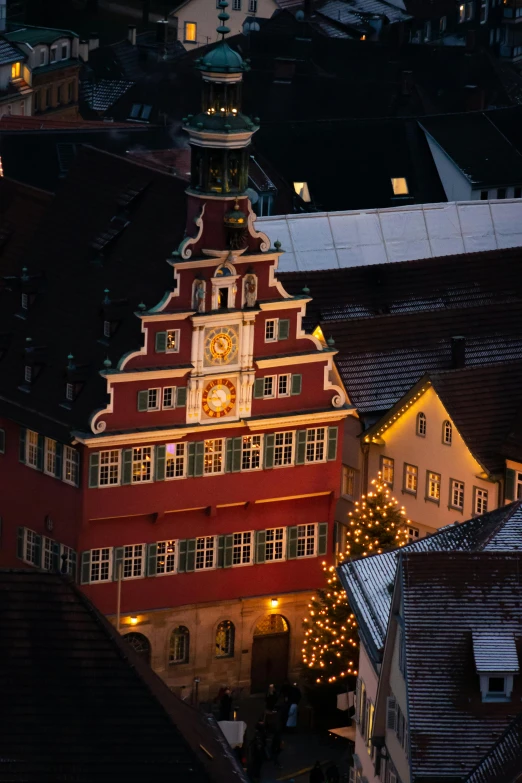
219	398
221	344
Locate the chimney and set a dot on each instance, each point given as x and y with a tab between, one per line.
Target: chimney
458	352
162	31
83	51
94	41
131	34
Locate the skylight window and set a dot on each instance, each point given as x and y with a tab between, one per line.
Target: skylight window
400	186
140	111
301	188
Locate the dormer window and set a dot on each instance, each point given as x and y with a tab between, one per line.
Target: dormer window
25	302
53	54
303	191
69	391
28	373
400	186
496	660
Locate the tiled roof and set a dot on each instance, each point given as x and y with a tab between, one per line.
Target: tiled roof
368	580
16	122
504	761
8	53
66	312
446	597
22	209
38	35
101	95
484	430
495	652
79	705
363	237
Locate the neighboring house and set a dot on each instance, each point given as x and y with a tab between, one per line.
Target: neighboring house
15	80
438	456
369	585
450	681
478	155
88	684
196	25
52	58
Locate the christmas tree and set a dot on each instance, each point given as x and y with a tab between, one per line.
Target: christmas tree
330	648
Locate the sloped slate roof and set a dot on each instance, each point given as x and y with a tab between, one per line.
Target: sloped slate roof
504	760
101	95
8	53
446	596
495	652
368	581
79	705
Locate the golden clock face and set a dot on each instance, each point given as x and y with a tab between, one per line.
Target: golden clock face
221	345
219	397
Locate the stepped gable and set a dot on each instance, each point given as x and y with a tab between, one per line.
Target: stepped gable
79	704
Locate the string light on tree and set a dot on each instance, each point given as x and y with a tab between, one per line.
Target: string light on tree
330	649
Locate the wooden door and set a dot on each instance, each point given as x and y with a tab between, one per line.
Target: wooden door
269	661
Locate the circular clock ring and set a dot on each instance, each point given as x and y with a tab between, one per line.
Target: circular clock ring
221	345
219	397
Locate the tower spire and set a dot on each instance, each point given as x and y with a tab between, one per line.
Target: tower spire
223	18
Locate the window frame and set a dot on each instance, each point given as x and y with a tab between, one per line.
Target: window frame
388	466
316	442
172	390
71	458
174	569
476	491
273	393
34	545
47	553
185	28
157	407
69	391
275	541
411	533
428	482
282	447
53	54
405	489
31	448
108	560
447	427
206	548
222	454
47	452
306	537
176	333
288	376
133	558
142	460
240	545
109	465
275	322
421	423
345	470
452	483
174	459
184	633
230	633
252	451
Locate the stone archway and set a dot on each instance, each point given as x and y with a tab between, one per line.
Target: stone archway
270	652
140	644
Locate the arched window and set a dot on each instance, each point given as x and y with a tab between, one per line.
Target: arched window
179	645
447	433
421	425
225	639
140	644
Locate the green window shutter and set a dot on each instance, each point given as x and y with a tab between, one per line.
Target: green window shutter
191	461
94	463
236	460
72	565
268	456
221	551
161	342
56	557
228	550
181	396
182	556
199	458
58	461
159	474
143	400
291	542
20	543
260	546
117	562
283	331
509	492
85	573
23	437
300	451
38	550
126	472
332	443
40	452
152	559
259	388
322	538
229	455
2	441
191	554
297	384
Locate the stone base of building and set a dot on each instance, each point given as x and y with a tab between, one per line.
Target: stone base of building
244	643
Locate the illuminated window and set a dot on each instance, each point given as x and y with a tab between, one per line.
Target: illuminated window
251	452
400	186
387	469
15	70
175	460
133	560
301	188
100	567
213	456
242	549
172	340
50	457
142	464
433	486
205	553
31	449
190	32
315	444
109	468
71	465
421	425
457	495
274	546
166	557
283	448
306	540
179	645
480	503
411	474
225	639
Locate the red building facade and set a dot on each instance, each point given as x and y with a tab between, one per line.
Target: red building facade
199	500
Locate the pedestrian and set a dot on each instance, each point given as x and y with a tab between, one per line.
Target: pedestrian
276	747
225	705
291	721
316	773
295	694
271	698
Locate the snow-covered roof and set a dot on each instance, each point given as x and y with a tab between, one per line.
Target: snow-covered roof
369	581
495	652
333	240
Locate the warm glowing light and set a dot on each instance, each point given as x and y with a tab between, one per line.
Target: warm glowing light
274	603
133	620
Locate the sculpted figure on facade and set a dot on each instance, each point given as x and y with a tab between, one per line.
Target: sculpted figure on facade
250	290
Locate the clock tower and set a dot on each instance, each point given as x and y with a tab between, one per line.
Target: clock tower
215	466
